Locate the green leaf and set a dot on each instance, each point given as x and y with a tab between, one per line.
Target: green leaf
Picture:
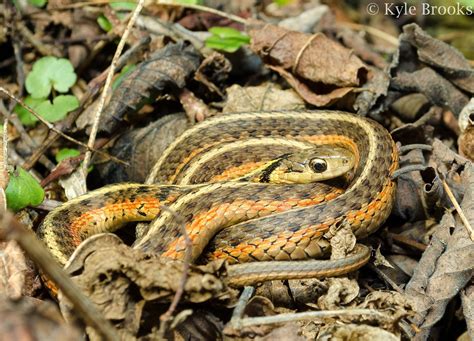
37	3
66	153
104	23
56	111
282	3
226	39
127	69
23	190
228	32
123	5
48	73
24	115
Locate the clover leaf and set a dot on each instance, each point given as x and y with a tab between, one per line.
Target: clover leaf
23	190
24	115
226	39
51	112
48	73
56	111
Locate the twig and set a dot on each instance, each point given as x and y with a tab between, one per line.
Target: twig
20	74
53	128
408	242
186	263
240	307
458	209
375	32
204	9
421	146
4	178
108	82
310	315
13	230
407	169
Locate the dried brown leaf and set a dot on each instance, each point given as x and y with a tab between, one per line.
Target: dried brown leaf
446	266
141	148
165	71
13	269
341	291
436	88
376	86
440	55
30	319
329	97
466	125
214	71
267	96
310	58
126	284
353	332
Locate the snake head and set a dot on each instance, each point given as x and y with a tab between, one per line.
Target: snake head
311	165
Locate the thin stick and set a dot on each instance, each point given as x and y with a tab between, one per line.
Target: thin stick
310	315
375	32
240	307
13	230
108	82
186	263
4	178
407	169
53	128
204	9
459	210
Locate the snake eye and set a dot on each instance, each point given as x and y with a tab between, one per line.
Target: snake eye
318	165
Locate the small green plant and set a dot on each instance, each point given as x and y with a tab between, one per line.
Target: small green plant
50	73
24	115
48	76
127	69
226	39
37	3
104	23
23	190
66	153
282	3
118	7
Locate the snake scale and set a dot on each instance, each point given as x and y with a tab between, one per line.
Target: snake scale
253	223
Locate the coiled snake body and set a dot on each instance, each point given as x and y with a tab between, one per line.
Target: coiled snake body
241	221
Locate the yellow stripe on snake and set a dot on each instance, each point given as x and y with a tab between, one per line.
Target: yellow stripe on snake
261	219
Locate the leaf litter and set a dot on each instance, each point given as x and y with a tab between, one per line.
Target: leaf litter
317	57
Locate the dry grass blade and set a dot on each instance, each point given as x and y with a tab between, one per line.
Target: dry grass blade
108	83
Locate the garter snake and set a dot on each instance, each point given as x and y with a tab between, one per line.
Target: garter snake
245	221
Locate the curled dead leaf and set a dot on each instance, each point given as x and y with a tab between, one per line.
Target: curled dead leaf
312	64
